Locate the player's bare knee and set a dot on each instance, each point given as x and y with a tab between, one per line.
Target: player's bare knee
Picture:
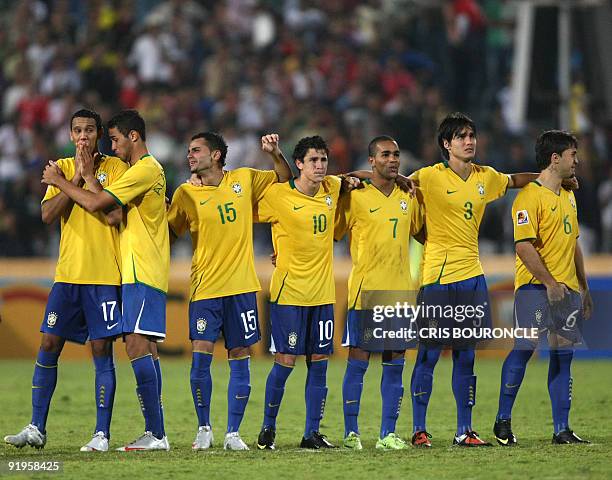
557	341
153	349
356	353
137	346
316	357
390	355
101	348
285	359
51	343
203	346
239	352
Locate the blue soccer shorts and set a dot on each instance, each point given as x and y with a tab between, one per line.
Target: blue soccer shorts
462	306
81	312
533	310
235	316
299	330
144	310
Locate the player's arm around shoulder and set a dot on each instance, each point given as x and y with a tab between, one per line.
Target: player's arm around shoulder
520	180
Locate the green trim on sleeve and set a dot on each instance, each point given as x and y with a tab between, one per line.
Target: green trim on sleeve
119	202
530	239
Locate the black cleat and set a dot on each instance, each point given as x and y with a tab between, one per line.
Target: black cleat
503	433
567	436
265	441
316	441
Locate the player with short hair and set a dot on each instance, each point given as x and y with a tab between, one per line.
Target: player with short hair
302	290
380	217
84	302
145	253
551	290
455	194
219	216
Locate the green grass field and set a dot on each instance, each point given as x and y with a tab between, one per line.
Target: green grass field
72	419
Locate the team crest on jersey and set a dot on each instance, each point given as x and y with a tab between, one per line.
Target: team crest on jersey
572	203
538	317
201	325
328	200
480	187
237	188
522	217
51	319
292	340
102	177
404	205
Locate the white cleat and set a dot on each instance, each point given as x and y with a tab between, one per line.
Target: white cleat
146	442
30	435
234	442
98	443
166	443
203	439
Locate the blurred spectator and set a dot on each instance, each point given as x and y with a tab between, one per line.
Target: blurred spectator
347	70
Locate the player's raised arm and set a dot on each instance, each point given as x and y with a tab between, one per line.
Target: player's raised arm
92	202
269	144
587	301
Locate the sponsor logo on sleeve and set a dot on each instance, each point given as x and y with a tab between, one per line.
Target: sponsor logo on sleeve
522	217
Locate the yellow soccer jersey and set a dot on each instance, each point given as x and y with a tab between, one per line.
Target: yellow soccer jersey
303	239
379	228
89	247
453	211
145	246
550	222
220	221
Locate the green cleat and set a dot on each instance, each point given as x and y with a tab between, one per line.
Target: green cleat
391	442
352	441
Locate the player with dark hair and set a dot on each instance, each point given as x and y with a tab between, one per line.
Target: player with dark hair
455	194
145	252
302	290
551	290
84	302
219	215
379	219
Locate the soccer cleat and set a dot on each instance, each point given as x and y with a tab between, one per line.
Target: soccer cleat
166	443
391	442
234	442
203	439
146	442
316	441
503	433
265	441
30	435
421	439
470	439
98	443
567	436
352	441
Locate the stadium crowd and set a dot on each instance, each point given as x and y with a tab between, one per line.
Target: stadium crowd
347	70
